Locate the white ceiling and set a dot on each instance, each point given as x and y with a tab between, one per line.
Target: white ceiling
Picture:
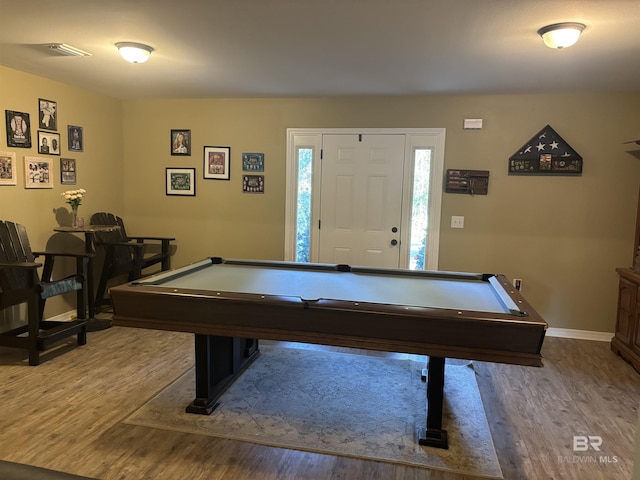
300	48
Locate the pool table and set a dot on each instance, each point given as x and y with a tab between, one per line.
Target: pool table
230	304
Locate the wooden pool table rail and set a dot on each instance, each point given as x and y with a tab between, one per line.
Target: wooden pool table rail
417	330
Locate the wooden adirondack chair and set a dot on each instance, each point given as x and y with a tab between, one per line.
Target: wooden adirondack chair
20	284
126	255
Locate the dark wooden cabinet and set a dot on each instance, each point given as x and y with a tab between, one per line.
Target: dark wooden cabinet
626	341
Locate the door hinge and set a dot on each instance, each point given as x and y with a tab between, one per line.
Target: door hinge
319	222
321	153
360	138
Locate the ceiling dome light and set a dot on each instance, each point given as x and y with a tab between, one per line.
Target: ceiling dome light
134	52
561	35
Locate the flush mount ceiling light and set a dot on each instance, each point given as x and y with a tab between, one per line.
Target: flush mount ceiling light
134	52
561	35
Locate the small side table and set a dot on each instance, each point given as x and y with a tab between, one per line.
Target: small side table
89	231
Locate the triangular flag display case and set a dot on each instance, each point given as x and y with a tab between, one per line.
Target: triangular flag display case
546	153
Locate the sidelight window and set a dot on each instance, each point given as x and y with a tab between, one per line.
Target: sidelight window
420	208
304	157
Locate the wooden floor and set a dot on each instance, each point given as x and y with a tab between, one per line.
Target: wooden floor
66	414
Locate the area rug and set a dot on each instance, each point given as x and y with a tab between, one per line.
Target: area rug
339	404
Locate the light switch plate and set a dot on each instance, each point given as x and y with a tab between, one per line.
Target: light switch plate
472	124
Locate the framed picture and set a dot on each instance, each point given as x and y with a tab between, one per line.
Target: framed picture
18	129
181	142
181	181
48	143
68	171
216	163
74	133
48	118
8	174
38	172
253	183
253	162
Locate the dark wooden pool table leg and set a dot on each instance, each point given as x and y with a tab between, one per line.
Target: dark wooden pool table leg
219	362
435	436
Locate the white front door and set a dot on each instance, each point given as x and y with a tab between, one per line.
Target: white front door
361	199
401	190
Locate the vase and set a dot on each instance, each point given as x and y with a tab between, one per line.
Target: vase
74	217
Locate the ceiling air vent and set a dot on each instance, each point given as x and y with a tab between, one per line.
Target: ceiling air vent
68	50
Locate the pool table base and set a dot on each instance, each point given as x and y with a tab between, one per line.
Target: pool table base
434	435
434	438
221	360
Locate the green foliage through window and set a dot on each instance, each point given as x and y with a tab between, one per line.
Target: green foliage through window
303	215
420	208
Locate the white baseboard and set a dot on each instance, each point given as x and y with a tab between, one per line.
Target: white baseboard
580	334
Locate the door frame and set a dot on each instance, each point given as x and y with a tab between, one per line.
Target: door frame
414	138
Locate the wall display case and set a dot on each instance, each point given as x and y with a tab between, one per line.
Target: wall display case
546	153
473	182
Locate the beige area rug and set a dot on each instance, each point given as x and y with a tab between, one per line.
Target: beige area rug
338	404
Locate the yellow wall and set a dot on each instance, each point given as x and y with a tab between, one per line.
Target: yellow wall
99	166
564	236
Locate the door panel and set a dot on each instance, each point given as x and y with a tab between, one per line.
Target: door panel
377	198
344	195
361	199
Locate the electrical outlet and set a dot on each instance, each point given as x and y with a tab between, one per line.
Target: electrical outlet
517	282
457	222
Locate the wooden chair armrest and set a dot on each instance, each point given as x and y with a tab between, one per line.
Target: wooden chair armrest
138	239
64	254
25	265
122	244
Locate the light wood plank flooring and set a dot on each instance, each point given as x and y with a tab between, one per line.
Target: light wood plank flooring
67	413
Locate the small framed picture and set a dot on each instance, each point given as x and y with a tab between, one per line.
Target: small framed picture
253	162
74	133
48	118
38	172
68	171
8	174
18	129
181	181
217	163
181	142
253	183
48	143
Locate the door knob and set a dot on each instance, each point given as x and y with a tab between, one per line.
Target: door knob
394	242
394	229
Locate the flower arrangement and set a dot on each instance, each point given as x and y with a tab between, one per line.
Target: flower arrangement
74	197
